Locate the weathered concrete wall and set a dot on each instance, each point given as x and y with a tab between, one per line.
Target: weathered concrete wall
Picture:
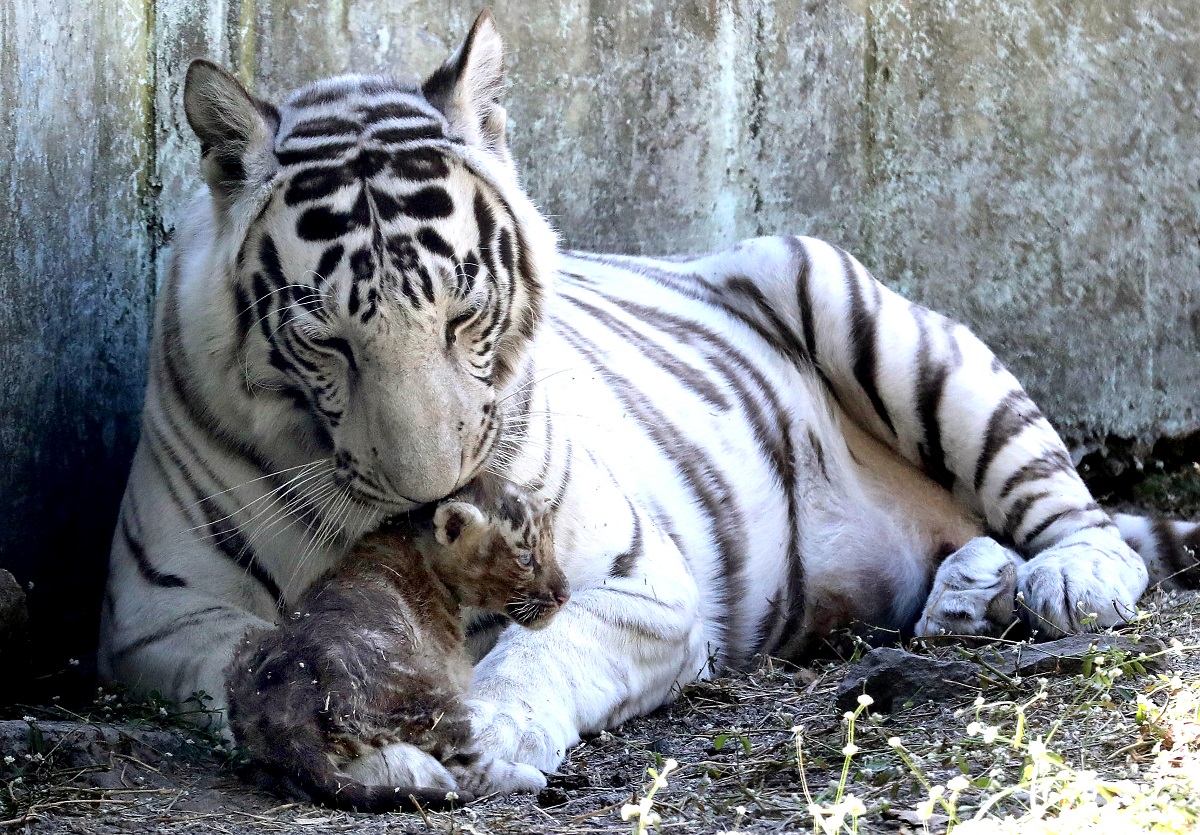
1032	167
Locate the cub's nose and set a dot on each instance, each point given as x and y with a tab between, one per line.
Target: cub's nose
561	596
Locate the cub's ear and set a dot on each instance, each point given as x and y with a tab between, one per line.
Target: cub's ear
455	522
236	131
467	87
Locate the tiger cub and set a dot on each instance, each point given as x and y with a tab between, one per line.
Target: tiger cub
375	653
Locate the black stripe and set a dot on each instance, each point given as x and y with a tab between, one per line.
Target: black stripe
324	126
330	259
703	479
390	110
420	164
149	573
1010	417
316	184
410	133
322	224
784	336
1041	527
804	295
318	153
1049	463
778	449
171	630
435	243
930	388
691	377
863	333
1014	517
627	560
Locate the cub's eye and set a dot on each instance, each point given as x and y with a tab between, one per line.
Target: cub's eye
525	559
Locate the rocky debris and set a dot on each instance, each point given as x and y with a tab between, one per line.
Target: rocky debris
893	677
14	636
84	745
1070	655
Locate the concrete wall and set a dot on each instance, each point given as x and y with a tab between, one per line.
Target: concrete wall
1032	167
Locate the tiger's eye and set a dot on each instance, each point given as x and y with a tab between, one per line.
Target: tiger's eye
525	559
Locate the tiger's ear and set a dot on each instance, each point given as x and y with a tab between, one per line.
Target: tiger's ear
236	131
467	87
457	523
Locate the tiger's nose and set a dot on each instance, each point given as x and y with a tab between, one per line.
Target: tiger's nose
561	596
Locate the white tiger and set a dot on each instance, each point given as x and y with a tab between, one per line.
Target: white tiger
745	451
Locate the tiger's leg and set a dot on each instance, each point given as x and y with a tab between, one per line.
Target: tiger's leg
616	650
934	393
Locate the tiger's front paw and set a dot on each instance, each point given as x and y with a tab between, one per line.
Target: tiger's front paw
1088	582
512	733
972	591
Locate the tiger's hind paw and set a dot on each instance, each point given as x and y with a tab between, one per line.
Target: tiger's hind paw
973	591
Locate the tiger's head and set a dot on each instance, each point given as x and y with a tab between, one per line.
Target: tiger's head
381	271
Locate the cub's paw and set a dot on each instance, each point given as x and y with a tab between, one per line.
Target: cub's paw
512	734
492	776
1086	583
972	592
400	764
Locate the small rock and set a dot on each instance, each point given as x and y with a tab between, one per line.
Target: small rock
1067	656
661	746
14	617
892	676
571	782
552	796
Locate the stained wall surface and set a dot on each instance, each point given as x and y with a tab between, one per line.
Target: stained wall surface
1031	167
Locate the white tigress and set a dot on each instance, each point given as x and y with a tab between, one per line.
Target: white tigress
745	451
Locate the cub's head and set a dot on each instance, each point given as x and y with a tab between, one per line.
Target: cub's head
497	550
371	270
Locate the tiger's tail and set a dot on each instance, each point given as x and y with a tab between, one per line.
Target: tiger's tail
1170	548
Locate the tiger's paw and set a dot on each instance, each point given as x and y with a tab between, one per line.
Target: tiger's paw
511	733
1088	582
972	592
492	776
400	764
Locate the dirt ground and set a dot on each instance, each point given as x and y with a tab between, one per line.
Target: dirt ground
753	752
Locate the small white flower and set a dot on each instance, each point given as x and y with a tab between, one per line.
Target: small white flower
162	711
848	715
628	811
1037	749
10	759
74	662
958	784
865	700
894	741
990	733
30	584
974	728
850	750
979	701
854	807
28	719
936	792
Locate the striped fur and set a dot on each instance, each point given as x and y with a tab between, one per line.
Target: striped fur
745	452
